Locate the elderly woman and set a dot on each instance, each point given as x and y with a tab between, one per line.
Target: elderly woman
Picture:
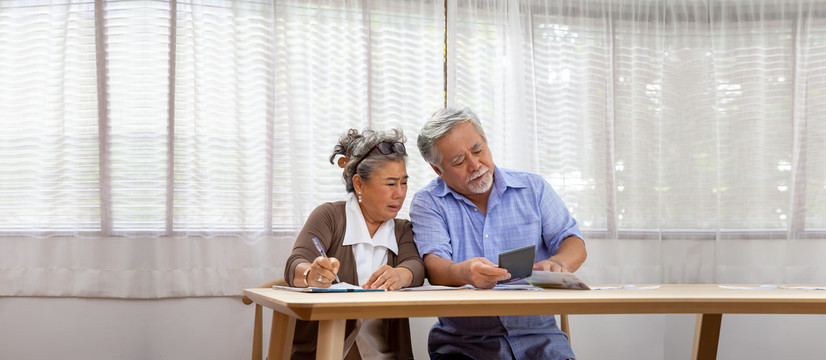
366	245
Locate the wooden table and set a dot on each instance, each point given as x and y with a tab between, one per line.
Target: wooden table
709	301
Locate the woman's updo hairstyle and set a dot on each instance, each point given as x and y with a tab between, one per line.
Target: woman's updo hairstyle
354	146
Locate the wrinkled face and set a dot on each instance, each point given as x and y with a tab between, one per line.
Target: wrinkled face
383	195
467	164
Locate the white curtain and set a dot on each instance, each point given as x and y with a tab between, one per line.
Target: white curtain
686	136
174	148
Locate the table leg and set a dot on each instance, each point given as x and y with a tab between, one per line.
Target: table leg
257	334
330	339
565	326
281	336
706	336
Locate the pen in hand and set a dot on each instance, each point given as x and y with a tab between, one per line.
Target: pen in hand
318	246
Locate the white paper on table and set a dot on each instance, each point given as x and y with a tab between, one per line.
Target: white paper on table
337	287
558	280
625	287
805	287
435	287
773	287
497	287
515	287
759	287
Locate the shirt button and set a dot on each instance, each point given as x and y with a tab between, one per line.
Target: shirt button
486	236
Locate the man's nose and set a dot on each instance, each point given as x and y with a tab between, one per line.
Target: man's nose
474	163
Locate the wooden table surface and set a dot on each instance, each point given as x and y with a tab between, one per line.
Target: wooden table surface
682	298
710	301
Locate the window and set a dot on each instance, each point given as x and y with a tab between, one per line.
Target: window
200	117
652	118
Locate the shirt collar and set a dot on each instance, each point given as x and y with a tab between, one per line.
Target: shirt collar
356	230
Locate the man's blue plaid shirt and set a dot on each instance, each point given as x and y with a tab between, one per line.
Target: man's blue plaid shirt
523	209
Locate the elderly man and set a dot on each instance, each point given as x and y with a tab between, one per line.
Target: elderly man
464	218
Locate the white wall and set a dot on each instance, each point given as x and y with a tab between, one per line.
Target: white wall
221	329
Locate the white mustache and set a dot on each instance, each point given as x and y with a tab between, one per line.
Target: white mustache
479	173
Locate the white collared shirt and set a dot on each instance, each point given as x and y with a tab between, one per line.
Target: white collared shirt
370	253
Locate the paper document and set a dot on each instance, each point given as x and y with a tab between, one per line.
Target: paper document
804	287
435	287
625	287
516	286
338	287
520	285
759	287
556	280
772	287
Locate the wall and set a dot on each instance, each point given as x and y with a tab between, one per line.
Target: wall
221	328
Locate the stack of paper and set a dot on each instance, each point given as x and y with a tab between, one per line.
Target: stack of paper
559	280
338	287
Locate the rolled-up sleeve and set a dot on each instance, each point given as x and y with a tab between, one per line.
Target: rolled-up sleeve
557	222
430	230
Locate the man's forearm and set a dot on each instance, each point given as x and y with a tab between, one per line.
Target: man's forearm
571	253
439	271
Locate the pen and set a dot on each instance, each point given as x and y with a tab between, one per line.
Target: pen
318	246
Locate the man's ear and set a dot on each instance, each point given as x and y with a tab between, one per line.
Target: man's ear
436	169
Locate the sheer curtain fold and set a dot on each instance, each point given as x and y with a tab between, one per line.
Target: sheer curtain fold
174	148
679	133
206	189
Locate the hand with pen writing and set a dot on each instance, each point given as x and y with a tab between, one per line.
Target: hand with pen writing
321	273
389	278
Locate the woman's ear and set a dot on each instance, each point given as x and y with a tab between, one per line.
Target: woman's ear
358	183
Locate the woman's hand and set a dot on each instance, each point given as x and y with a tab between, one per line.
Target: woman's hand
389	278
322	272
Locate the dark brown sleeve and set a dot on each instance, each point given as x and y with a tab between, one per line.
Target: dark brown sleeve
320	224
408	252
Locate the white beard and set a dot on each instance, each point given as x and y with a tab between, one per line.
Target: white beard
480	184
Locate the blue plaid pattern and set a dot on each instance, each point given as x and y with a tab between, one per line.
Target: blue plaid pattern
523	209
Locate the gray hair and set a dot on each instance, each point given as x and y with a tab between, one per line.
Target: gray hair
354	147
440	123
